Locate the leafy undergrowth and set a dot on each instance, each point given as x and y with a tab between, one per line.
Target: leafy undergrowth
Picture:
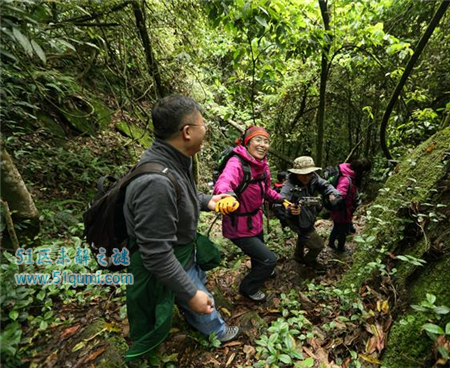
305	322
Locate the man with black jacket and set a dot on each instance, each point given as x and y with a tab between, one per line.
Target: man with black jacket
303	183
162	224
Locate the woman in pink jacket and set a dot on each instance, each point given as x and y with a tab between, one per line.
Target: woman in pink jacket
244	227
348	184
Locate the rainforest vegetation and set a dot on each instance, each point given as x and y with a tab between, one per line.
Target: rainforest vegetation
333	79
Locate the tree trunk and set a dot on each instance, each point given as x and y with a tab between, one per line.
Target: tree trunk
153	69
323	82
14	191
412	61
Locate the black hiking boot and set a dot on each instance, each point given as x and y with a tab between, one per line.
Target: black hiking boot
316	266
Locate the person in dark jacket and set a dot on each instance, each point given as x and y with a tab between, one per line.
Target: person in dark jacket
281	178
303	182
348	185
163	227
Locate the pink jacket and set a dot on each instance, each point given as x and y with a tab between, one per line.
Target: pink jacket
348	189
250	200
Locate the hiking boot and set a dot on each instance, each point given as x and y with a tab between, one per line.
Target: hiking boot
230	333
259	296
341	250
299	259
318	267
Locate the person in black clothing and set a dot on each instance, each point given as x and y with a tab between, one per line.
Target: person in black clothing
302	182
281	178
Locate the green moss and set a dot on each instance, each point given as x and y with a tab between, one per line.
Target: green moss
407	344
117	346
135	132
50	125
435	279
113	355
415	181
102	112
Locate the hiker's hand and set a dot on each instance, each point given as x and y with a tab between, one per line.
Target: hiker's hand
227	205
287	204
332	198
295	210
214	199
200	303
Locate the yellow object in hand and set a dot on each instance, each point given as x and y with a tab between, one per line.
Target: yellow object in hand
227	205
287	204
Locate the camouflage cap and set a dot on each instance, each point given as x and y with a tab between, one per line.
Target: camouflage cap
304	165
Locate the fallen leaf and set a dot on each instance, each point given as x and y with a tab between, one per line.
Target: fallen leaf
370	359
226	311
233	343
79	346
69	331
430	147
51	359
112	327
309	352
249	351
94	355
230	359
213	361
385	307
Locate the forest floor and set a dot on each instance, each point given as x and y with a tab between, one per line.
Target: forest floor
98	335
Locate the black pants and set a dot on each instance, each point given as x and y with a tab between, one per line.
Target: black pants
263	263
339	233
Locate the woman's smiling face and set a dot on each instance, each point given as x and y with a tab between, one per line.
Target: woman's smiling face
258	147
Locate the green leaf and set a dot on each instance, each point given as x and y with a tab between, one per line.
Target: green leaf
441	310
447	329
67	44
431	298
24	42
7	54
443	352
13	315
43	325
432	328
286	359
41	295
261	21
419	308
39	51
308	363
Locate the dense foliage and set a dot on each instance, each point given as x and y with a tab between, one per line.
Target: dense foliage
75	73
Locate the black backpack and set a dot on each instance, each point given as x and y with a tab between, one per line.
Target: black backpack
247	179
104	221
332	174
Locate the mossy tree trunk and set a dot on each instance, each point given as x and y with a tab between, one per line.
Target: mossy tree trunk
405	250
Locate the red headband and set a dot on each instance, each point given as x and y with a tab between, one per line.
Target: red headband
251	132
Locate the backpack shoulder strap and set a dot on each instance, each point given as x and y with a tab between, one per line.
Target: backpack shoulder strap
247	170
151	168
